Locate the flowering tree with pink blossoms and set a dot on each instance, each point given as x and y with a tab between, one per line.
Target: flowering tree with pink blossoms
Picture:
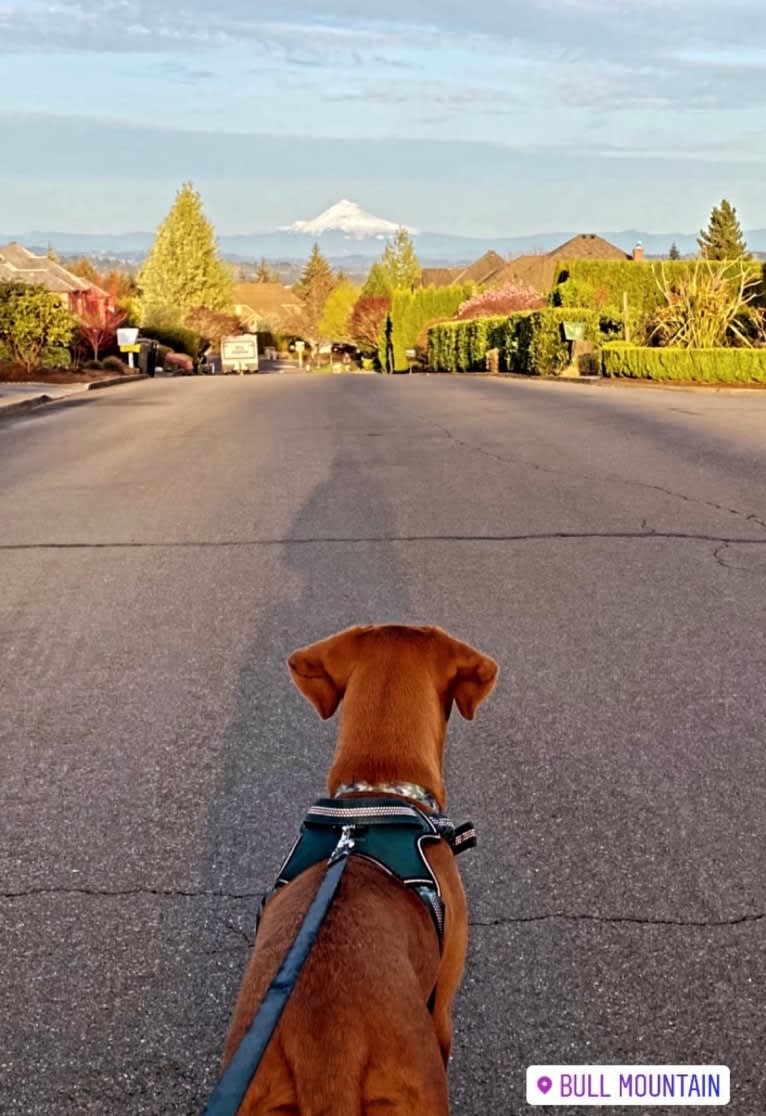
501	300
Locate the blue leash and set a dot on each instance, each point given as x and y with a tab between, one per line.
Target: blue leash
231	1089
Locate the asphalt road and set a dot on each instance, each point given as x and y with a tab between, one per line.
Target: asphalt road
162	550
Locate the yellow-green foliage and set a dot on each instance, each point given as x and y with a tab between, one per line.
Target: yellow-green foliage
536	344
463	346
720	366
600	284
530	341
411	311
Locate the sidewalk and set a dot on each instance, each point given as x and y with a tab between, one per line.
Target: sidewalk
23	396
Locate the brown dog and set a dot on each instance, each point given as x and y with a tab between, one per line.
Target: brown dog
357	1037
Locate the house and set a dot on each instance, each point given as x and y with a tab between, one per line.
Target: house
537	271
80	296
481	272
268	307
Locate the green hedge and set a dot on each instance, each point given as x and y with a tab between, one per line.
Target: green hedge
530	341
463	346
177	338
600	284
709	366
411	311
535	344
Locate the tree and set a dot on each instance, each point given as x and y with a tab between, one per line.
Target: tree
723	239
367	320
313	289
377	284
674	254
31	321
336	319
183	269
496	301
98	322
213	325
85	270
264	274
399	264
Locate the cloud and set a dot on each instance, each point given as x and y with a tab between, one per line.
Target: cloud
585	29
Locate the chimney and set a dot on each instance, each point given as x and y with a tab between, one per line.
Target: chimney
638	251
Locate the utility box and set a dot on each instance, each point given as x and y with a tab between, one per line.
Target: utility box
240	353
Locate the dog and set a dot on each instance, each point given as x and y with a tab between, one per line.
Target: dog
368	1028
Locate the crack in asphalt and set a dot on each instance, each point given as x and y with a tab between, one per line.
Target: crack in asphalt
539	536
132	892
611	920
506	920
506	459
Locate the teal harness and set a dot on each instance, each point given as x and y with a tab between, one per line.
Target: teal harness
389	833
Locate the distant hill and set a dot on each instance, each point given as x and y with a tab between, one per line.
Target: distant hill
351	237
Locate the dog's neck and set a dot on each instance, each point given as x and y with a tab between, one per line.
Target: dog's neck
389	735
401	790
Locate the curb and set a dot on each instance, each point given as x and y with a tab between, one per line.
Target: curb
38	400
95	385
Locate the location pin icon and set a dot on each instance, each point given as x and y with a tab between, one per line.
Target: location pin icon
544	1084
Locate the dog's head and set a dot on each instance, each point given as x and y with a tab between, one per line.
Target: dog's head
398	684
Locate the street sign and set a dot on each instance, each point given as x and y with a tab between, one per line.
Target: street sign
130	348
127	336
574	331
240	352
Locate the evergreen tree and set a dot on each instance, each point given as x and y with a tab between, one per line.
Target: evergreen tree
264	274
183	270
674	254
336	318
377	284
313	289
723	239
399	264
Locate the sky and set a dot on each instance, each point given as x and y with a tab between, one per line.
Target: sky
494	118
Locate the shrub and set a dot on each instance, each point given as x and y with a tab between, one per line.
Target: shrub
722	366
175	338
56	357
411	311
31	321
535	344
463	346
704	308
93	366
600	284
114	364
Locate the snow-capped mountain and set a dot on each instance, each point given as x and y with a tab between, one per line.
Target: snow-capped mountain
348	218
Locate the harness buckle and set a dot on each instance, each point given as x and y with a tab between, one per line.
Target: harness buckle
346	844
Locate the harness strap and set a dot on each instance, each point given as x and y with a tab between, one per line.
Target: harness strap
231	1089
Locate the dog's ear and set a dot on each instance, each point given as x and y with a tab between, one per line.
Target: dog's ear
472	678
321	670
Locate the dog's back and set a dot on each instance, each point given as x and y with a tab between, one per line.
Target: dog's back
367	1029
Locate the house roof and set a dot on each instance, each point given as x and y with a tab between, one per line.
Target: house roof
537	271
22	266
588	246
482	270
271	301
439	276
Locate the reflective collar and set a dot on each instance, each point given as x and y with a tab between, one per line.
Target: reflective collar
404	790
